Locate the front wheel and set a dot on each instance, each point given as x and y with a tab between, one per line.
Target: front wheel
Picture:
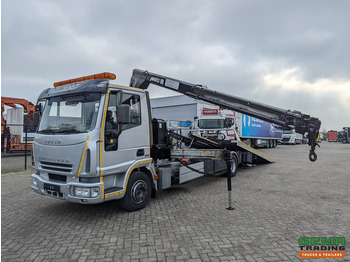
138	192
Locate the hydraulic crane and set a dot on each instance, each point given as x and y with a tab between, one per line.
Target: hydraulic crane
287	119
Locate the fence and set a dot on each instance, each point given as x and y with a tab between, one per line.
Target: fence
16	138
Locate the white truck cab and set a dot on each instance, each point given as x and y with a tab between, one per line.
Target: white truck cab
216	123
291	137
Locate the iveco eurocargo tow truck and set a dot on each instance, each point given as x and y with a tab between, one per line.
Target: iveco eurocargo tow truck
97	141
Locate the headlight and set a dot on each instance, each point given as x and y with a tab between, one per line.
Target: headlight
95	191
35	182
78	191
86	191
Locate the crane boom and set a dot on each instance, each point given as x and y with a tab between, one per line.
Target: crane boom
287	119
11	101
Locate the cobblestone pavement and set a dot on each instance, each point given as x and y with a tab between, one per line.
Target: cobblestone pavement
15	163
275	205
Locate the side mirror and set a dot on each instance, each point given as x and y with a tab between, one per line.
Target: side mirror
38	108
123	114
228	123
37	114
36	119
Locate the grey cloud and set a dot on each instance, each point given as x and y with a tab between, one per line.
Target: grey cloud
227	45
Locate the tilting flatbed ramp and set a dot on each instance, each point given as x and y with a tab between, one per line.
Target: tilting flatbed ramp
196	141
239	146
261	156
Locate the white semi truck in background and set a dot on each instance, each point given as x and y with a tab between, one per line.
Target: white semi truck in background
216	123
97	141
291	137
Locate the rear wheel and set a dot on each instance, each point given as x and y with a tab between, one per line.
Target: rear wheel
249	142
138	192
234	166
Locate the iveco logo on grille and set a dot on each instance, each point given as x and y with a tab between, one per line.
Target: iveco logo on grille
53	141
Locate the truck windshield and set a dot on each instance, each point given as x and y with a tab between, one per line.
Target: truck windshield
70	114
211	123
287	132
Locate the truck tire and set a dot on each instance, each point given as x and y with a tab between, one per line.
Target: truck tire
234	166
254	143
138	192
344	141
248	142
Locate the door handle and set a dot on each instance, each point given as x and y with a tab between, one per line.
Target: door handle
140	152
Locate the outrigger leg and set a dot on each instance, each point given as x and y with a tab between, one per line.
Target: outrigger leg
229	183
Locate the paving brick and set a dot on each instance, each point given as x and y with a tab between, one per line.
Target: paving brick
275	205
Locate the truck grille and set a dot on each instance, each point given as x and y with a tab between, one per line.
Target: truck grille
49	166
58	178
285	139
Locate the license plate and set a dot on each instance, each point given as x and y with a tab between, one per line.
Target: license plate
54	188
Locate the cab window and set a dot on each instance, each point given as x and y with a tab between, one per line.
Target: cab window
135	110
112	128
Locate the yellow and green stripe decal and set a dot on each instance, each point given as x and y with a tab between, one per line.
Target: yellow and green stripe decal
142	163
102	141
83	156
115	194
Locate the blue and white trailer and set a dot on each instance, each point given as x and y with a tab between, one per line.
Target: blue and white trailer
256	132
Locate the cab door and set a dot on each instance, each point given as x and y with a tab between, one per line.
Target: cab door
125	143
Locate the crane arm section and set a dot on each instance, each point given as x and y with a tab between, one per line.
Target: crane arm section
10	101
287	119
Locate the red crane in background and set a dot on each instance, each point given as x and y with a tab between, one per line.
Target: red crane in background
12	142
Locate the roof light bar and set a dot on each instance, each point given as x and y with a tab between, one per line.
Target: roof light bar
104	75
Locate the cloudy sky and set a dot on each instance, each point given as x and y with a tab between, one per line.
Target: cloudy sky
290	54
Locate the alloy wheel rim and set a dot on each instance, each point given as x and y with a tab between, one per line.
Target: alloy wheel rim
139	191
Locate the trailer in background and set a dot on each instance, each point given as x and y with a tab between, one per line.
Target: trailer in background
332	136
256	132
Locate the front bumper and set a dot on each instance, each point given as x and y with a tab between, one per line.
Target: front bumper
65	191
287	140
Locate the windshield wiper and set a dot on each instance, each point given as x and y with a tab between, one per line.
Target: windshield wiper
69	131
47	131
